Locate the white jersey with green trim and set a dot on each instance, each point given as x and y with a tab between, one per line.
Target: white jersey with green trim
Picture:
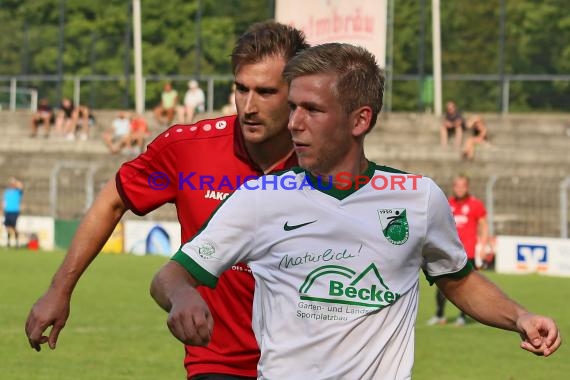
336	271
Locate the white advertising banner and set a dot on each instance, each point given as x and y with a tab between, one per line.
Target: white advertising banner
359	22
524	254
38	228
151	238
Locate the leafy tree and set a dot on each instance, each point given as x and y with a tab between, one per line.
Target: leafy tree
98	41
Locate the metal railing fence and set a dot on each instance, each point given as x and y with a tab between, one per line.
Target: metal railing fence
520	92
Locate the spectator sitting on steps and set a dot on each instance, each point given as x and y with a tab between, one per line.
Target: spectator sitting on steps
118	135
43	116
138	133
164	112
480	136
194	100
70	117
454	124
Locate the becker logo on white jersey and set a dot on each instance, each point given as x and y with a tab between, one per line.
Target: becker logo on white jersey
342	285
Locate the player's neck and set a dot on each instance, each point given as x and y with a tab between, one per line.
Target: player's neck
269	154
352	167
463	198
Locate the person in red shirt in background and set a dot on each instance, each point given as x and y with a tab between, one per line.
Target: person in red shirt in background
139	133
195	167
471	220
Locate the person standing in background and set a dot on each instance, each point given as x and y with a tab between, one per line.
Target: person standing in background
471	221
12	204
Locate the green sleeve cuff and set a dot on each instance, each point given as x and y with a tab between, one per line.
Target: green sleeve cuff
468	268
199	273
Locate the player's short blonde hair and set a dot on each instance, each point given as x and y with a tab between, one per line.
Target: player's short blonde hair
360	81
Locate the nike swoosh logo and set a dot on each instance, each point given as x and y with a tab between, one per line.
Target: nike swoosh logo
288	227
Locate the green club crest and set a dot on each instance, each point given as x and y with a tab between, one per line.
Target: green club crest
394	225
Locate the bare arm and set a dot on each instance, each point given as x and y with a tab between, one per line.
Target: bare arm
52	309
485	302
189	318
170	279
483	132
483	230
483	236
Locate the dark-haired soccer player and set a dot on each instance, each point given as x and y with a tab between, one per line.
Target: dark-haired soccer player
183	158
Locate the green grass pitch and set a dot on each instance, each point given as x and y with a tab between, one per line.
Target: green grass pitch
115	331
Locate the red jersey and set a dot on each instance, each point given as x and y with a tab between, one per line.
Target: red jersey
195	167
467	213
138	124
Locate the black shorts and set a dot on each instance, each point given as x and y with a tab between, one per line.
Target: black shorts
10	218
453	120
451	131
40	120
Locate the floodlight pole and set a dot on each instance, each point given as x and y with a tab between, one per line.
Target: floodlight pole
502	16
198	22
127	62
137	44
60	49
421	54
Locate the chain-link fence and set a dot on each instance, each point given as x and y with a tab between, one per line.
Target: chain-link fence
69	188
525	206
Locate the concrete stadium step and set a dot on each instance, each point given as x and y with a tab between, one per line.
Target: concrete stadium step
521	123
446	169
484	154
40	145
499	139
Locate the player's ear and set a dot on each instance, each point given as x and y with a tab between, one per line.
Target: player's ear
360	120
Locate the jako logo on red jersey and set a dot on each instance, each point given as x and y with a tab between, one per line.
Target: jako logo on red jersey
217	195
